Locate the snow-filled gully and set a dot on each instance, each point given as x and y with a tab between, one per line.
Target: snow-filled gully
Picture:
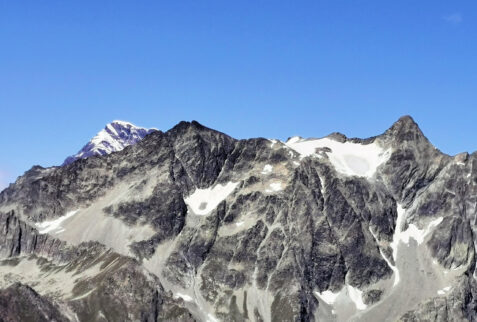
347	303
401	236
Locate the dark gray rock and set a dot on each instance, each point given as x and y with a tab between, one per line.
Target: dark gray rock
261	254
372	296
120	290
20	303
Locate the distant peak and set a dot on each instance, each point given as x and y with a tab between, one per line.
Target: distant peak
114	137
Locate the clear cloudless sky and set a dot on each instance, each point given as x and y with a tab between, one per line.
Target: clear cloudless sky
248	68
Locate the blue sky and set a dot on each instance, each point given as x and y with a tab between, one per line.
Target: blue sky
248	68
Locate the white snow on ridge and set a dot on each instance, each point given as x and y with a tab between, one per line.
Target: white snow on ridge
203	201
52	225
110	139
348	158
104	141
114	137
294	139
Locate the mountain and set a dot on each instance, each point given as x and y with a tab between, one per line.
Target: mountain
192	224
114	137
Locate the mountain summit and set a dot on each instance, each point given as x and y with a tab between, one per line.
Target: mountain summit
114	137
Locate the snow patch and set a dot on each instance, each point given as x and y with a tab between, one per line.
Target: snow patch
398	230
356	296
444	290
418	234
186	298
203	201
52	225
267	169
328	297
348	158
350	292
274	187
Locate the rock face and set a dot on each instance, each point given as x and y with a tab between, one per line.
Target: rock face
191	224
19	302
87	282
114	137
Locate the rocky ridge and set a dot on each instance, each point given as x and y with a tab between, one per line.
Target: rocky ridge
331	229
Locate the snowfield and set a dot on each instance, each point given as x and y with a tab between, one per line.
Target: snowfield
352	159
203	201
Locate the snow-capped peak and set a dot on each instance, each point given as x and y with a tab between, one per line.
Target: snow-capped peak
114	137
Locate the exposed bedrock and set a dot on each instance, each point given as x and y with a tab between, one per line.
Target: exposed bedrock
191	224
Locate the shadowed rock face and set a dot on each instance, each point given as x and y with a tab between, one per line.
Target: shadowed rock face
333	229
20	302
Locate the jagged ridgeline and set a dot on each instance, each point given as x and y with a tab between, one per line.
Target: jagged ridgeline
191	224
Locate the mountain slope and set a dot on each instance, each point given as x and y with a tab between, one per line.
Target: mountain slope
331	229
87	282
114	137
16	298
